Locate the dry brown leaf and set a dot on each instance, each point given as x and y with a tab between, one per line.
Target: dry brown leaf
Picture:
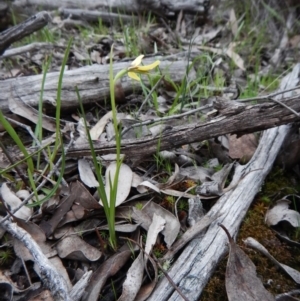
109	268
235	57
124	182
45	295
99	127
157	225
12	202
281	212
241	280
243	147
145	216
86	174
233	22
252	243
134	278
73	247
84	198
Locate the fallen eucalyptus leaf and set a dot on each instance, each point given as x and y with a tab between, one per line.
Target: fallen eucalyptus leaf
17	106
254	244
108	269
99	127
241	280
133	281
157	225
73	247
145	216
12	201
141	187
196	173
281	212
124	182
86	174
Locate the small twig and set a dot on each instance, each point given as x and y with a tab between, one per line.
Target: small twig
290	293
149	95
269	96
102	243
26	271
25	201
29	130
37	46
284	105
150	121
19	172
170	279
161	268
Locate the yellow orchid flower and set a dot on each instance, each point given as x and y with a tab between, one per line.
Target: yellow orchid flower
136	68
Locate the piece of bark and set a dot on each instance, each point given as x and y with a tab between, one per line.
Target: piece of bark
92	82
194	267
23	29
162	6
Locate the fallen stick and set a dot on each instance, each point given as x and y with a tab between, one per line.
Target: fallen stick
92	82
23	29
243	119
162	6
194	267
50	277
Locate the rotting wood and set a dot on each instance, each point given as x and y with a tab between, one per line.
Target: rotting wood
92	82
163	6
194	267
23	29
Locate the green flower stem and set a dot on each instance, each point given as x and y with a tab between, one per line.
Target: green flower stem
114	182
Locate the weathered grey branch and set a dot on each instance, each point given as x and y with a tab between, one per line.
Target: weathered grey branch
22	30
51	278
163	6
250	119
196	264
28	48
92	82
94	16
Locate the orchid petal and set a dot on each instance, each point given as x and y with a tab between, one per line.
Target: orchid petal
136	62
134	76
148	67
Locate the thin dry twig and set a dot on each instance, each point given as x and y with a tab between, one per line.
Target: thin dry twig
269	96
153	258
150	121
29	130
149	95
42	184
